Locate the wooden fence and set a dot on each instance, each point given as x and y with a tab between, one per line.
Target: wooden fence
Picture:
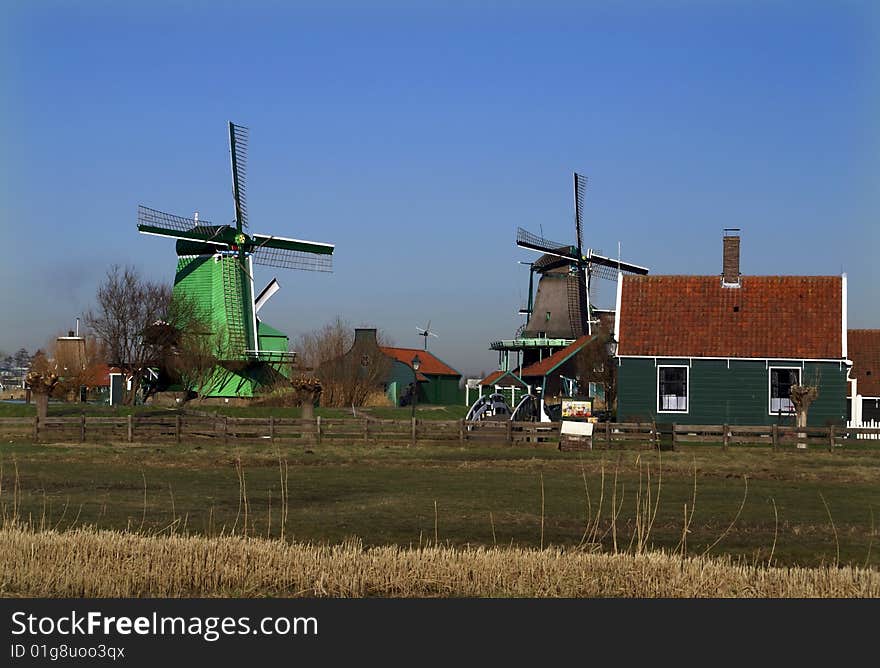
206	428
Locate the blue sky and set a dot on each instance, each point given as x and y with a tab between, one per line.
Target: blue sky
417	138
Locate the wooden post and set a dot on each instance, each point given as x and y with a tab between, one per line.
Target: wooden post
774	432
413	440
461	432
366	430
318	429
654	440
674	437
225	430
36	428
725	437
831	438
510	432
271	428
608	435
82	428
129	428
177	427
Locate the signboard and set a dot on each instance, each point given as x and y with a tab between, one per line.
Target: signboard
576	409
577	428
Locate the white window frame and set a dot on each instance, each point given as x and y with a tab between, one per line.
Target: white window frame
770	370
687	379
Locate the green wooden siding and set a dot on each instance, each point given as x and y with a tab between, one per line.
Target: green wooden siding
718	394
441	390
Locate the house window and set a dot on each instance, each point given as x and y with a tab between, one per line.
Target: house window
781	380
672	389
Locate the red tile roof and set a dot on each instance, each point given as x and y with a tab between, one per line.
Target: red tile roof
767	317
863	348
430	365
492	377
496	376
97	375
548	364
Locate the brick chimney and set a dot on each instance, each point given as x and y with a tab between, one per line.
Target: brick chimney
730	262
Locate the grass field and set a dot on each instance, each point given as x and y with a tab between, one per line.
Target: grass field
85	563
791	508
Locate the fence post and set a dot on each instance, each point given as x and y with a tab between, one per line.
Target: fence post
128	428
177	427
318	429
725	439
36	428
82	428
271	428
366	430
674	436
775	436
461	431
655	441
608	435
225	430
413	439
510	432
831	439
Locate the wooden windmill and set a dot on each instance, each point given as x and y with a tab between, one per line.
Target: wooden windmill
563	307
215	270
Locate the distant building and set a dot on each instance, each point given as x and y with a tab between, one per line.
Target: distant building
436	381
863	346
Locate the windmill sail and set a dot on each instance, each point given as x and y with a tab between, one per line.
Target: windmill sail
287	253
579	312
238	150
525	239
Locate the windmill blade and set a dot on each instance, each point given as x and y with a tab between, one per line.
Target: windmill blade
525	239
580	188
238	151
151	221
285	243
625	267
287	253
284	258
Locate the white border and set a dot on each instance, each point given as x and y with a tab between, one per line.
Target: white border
687	387
617	309
770	388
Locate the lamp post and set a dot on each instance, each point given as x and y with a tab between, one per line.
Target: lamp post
416	363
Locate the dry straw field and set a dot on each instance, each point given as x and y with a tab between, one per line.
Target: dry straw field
91	563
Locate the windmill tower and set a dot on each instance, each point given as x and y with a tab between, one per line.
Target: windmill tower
563	308
215	270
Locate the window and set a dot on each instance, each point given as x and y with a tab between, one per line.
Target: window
781	380
672	389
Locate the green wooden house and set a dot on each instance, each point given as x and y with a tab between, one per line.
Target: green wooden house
727	349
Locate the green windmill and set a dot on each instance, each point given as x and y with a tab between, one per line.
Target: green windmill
215	270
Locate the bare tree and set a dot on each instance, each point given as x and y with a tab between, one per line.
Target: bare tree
127	305
349	374
595	365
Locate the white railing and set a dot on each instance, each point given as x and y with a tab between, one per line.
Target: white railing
865	424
